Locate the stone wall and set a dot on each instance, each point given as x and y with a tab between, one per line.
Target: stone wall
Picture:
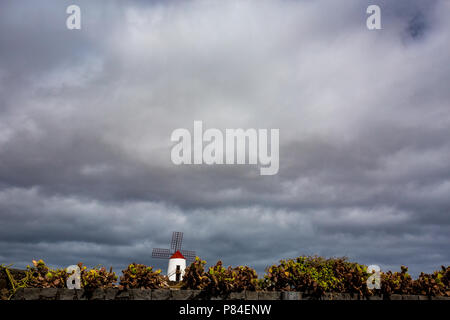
175	294
170	294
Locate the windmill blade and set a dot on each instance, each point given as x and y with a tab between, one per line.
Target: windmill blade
177	239
159	253
189	255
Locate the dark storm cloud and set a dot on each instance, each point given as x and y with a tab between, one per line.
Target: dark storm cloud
86	118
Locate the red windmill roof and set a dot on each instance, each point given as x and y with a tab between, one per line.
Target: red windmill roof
177	255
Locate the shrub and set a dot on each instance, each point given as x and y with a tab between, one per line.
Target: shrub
312	274
317	275
244	278
97	277
352	277
219	280
41	276
397	282
141	276
194	276
435	284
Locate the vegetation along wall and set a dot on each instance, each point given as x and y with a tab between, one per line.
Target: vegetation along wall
302	278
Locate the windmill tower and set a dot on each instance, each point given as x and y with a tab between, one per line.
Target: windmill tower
177	257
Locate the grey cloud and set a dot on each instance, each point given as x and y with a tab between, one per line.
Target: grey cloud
86	118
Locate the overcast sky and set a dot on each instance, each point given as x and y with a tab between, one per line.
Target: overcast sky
86	117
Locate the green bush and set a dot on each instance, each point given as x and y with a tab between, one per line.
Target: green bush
317	275
435	284
97	277
41	276
396	282
194	276
139	276
219	280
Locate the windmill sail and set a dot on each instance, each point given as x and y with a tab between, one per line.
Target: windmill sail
177	240
161	253
189	255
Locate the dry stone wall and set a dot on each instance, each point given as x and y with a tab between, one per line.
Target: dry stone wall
170	294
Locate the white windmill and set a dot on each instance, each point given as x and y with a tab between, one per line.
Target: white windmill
177	257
